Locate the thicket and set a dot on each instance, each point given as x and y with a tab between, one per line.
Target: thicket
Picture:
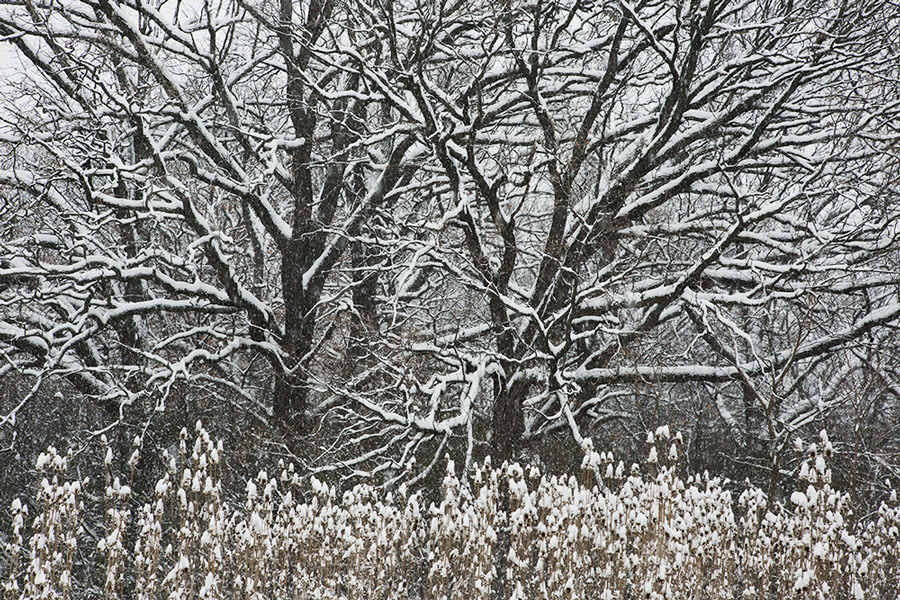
610	533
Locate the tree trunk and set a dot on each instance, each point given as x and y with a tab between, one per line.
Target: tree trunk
507	428
508	421
291	393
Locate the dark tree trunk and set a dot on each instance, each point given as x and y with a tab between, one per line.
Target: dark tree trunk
507	429
289	401
508	421
291	393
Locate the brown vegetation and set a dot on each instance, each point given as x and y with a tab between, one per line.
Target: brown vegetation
609	534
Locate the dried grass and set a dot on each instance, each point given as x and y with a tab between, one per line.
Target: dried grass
609	535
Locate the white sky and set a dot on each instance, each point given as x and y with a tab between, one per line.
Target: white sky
13	70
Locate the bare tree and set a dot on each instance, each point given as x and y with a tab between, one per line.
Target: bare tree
191	177
629	197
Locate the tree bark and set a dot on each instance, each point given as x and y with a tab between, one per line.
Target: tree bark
291	393
508	422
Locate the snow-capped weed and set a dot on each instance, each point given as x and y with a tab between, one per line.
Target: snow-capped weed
655	536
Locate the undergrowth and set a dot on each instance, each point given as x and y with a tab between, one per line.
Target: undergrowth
608	534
